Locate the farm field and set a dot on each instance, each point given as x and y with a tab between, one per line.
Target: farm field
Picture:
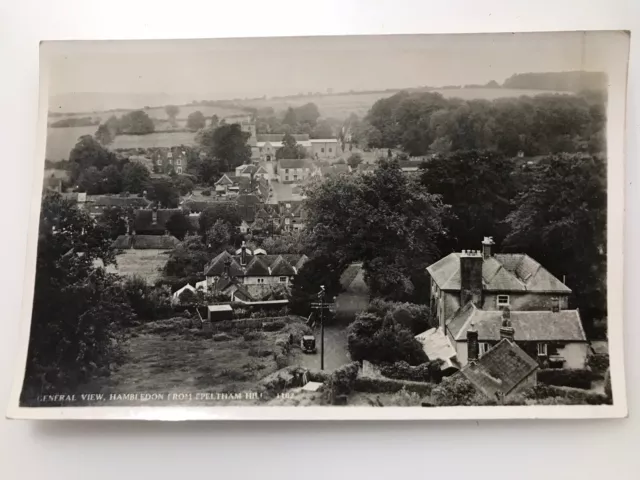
156	139
144	263
341	106
60	141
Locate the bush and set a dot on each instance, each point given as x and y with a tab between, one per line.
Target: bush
370	338
598	363
576	378
222	337
553	395
249	336
389	385
425	372
342	381
273	326
455	391
206	193
415	318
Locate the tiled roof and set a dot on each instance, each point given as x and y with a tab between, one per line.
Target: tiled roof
500	370
529	326
248	169
143	220
500	273
277	137
294	163
148	242
258	265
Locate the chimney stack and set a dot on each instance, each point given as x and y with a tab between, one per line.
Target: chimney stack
487	247
555	304
227	268
243	254
506	330
472	344
471	277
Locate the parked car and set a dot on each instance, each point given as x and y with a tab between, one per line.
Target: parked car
308	344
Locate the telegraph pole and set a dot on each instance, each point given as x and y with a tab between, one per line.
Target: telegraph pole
321	295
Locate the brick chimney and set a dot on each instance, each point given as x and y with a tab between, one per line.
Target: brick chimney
506	330
472	344
243	254
471	277
487	247
555	304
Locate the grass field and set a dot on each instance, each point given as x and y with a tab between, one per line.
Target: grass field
341	106
60	141
144	263
192	366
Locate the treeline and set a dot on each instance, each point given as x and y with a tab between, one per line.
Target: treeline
74	122
304	119
427	123
576	81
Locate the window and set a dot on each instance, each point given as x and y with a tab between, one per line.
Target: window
169	155
287	221
286	170
261	280
283	279
179	170
322	150
178	162
330	150
542	349
286	179
295	177
483	348
503	301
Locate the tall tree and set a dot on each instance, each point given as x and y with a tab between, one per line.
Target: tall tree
163	193
90	181
561	221
290	118
354	160
103	135
111	179
172	112
178	225
227	144
215	121
88	153
196	121
113	220
135	177
78	309
227	212
290	148
316	272
479	185
218	235
386	220
136	123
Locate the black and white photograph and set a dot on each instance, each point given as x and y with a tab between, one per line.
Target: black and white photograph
230	228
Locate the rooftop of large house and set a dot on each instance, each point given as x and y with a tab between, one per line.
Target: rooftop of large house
500	370
501	272
145	242
295	163
153	220
254	265
530	326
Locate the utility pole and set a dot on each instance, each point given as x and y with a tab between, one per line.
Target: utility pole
321	295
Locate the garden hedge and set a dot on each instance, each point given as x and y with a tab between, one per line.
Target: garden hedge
561	377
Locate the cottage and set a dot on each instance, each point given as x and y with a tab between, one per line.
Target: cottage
486	289
257	273
293	170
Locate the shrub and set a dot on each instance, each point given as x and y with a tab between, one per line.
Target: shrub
576	378
405	398
390	385
370	338
273	326
454	391
342	381
414	317
206	193
253	335
598	363
222	337
425	372
553	395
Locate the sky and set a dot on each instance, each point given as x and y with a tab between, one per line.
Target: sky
230	68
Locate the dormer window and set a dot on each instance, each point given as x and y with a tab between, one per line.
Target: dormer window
502	301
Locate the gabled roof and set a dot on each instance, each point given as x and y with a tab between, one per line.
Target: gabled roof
294	163
247	169
261	170
500	273
256	265
143	220
216	267
277	137
256	268
225	180
282	267
500	370
529	326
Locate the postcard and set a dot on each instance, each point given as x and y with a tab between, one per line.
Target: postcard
351	227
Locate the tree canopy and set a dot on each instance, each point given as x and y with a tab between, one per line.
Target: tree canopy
87	153
196	121
290	148
163	192
136	123
386	220
227	145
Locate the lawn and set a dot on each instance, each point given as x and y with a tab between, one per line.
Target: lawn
196	369
144	263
